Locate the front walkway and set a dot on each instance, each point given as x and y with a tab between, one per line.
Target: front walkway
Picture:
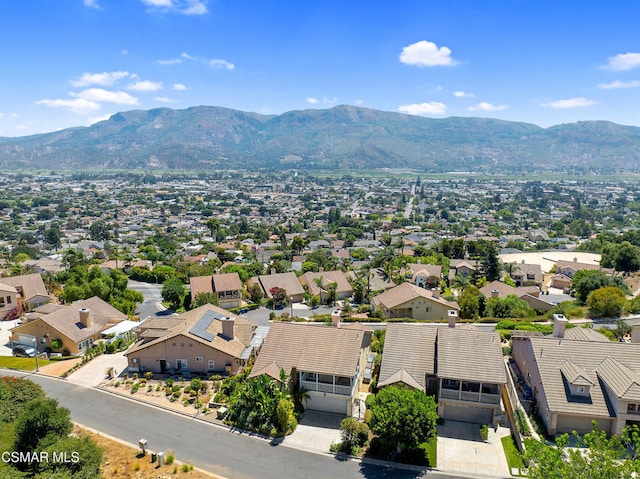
462	451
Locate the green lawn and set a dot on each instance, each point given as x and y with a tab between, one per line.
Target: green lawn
511	452
24	364
431	446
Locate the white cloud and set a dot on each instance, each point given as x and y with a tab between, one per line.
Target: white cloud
426	54
313	101
79	105
429	108
124	52
91	4
185	7
218	63
164	99
486	106
145	85
623	61
359	102
619	84
173	61
179	87
330	101
569	103
102	79
463	94
106	96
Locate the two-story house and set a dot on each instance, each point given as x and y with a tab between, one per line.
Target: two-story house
226	286
409	301
462	367
578	381
328	362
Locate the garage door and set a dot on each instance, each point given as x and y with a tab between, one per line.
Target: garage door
26	339
468	414
327	404
581	424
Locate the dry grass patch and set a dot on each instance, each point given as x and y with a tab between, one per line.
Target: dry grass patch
124	462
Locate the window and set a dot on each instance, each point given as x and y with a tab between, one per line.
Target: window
450	384
198	359
1	301
631	407
471	387
581	389
135	360
43	340
427	309
181	364
211	366
311	376
8	299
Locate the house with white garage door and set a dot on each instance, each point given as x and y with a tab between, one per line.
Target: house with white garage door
462	367
327	361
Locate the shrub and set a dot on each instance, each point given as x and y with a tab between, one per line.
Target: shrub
185	468
135	376
484	432
354	434
148	375
170	457
169	382
134	388
56	344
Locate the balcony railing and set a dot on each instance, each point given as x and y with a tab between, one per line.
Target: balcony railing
469	396
326	388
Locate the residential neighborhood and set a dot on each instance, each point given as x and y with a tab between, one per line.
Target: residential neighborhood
325	296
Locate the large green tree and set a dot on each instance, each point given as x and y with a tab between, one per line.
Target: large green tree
173	292
607	302
403	417
597	456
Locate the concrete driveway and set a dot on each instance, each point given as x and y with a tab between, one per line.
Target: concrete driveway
5	347
94	372
316	432
462	451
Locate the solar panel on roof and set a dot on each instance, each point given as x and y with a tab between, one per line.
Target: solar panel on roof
200	328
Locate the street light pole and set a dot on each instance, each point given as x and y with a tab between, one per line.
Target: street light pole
35	347
291	301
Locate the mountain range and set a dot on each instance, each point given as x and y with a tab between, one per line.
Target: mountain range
349	137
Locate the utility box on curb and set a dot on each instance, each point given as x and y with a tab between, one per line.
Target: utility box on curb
160	459
143	446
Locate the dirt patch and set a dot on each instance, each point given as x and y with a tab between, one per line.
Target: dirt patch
121	461
58	368
633	282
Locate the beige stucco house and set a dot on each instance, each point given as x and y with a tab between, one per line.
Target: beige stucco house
205	340
578	378
77	326
30	288
461	366
410	301
226	286
287	281
310	282
327	361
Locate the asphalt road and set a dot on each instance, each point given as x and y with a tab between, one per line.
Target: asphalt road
152	296
232	455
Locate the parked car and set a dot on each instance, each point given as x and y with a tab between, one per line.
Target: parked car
24	352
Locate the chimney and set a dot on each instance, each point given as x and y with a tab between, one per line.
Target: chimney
320	269
273	271
635	333
228	327
453	314
335	318
435	293
559	325
494	293
85	317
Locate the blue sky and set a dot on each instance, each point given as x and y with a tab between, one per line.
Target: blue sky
74	62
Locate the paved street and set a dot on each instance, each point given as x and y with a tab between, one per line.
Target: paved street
233	455
152	298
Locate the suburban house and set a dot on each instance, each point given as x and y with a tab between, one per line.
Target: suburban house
409	301
560	281
8	302
318	284
328	362
76	326
530	294
287	281
577	381
570	268
205	340
527	274
30	288
462	267
226	286
423	274
462	367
